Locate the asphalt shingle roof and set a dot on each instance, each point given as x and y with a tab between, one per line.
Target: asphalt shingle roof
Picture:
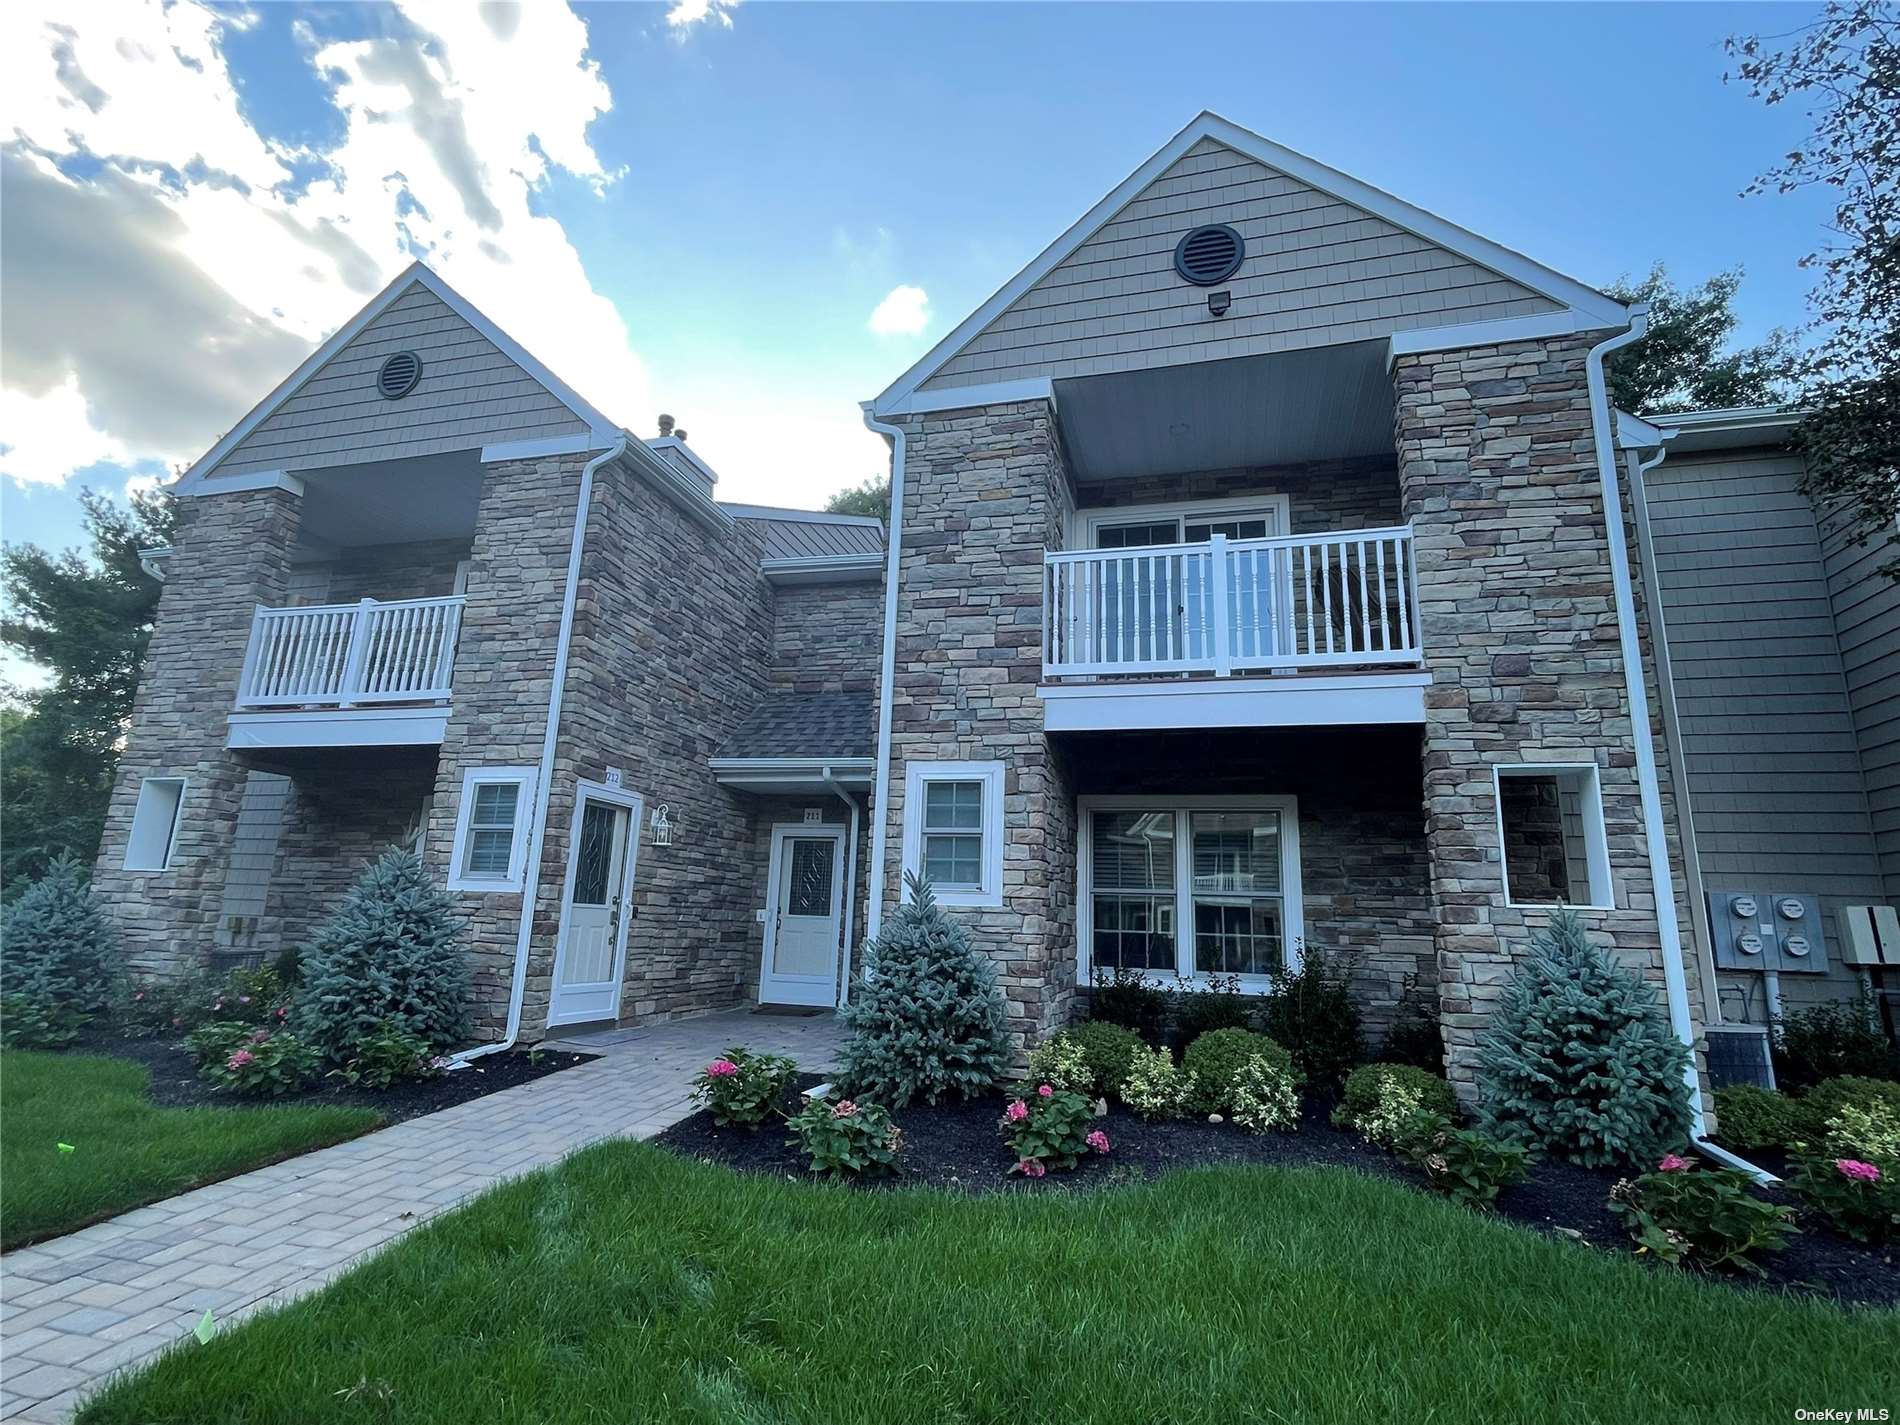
789	724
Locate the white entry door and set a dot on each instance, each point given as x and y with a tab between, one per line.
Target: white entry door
591	954
803	921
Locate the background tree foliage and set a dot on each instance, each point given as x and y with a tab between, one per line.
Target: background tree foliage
1683	364
873	497
1845	69
86	620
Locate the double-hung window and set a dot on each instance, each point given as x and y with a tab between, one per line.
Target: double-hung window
953	830
1190	886
491	829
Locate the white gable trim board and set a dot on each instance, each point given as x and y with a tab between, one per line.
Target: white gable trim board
1590	308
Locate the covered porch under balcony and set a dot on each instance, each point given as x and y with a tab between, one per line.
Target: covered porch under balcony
1236	555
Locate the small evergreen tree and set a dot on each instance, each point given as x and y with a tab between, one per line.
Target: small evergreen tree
1580	1060
57	949
392	954
925	1017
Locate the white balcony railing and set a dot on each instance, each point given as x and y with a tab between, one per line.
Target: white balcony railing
345	655
1339	600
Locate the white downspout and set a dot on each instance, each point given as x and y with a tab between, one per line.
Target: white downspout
850	879
537	828
880	829
1662	883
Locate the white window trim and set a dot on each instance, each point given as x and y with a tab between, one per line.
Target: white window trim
1596	845
171	834
919	774
1293	909
1085	522
524	777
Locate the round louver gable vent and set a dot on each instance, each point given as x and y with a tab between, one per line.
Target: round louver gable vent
1209	254
399	375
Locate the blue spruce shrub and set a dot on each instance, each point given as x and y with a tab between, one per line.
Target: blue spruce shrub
1580	1060
925	1017
58	953
392	957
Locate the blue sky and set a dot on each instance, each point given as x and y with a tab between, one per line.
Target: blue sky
698	208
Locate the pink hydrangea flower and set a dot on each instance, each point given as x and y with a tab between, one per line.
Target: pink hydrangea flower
1856	1171
239	1060
1031	1168
721	1069
283	1012
1017	1111
261	1036
844	1108
1097	1140
1044	1091
1671	1163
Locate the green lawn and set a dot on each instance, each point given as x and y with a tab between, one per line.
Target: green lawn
126	1150
630	1286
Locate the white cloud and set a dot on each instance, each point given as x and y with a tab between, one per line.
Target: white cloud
687	13
163	271
904	312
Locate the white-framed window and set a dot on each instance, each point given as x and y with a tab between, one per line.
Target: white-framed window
953	830
1181	522
1189	886
1550	829
155	824
491	829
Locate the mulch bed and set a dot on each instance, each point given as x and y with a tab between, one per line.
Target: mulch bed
175	1081
955	1146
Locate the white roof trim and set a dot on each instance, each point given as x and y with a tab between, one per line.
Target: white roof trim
1635	433
1762	418
673	442
824	568
773	512
1547	282
415	272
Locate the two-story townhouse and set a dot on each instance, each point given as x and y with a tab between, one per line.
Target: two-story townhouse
425	594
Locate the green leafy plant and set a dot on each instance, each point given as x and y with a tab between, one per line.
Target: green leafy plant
1707	1218
1049	1128
847	1138
1202	1006
58	952
1580	1060
1108	1050
1841	1038
27	1022
1214	1060
1157	1087
1750	1117
1059	1060
1311	1012
262	1064
1265	1096
742	1087
388	1054
1124	997
1854	1117
213	1042
1380	1099
926	1018
1415	1037
1857	1198
394	951
1462	1163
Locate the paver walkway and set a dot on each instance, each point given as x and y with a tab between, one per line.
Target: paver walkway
76	1308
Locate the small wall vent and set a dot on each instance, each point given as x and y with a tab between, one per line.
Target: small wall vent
399	375
1209	254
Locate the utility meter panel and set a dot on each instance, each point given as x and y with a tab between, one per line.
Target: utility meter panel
1762	930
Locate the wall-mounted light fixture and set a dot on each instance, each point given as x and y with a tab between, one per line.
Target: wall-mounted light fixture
1219	302
660	826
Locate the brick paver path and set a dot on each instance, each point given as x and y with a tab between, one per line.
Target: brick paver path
75	1309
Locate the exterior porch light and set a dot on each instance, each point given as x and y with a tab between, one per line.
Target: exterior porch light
1219	302
660	826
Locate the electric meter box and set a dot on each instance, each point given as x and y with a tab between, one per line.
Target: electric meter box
1768	930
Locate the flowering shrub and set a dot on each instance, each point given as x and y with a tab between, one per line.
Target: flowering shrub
1156	1087
1459	1162
261	1063
211	1043
1213	1060
847	1138
743	1087
1264	1095
1699	1217
1048	1128
1059	1061
1380	1099
388	1053
1856	1198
